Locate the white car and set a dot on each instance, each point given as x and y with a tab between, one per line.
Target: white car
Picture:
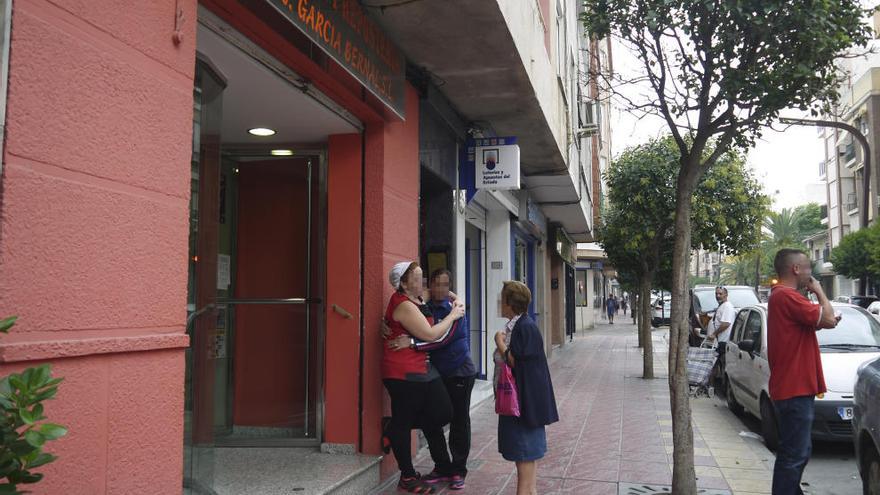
854	341
874	309
661	308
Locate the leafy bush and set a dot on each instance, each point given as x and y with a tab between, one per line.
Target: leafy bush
22	432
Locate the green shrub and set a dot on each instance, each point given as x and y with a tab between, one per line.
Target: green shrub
22	432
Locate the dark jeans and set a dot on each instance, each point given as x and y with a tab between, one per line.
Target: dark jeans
459	389
422	405
721	352
794	418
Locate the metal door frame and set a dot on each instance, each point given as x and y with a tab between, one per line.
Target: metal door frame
315	265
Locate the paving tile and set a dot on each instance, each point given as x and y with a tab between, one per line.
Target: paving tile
615	427
746	474
581	487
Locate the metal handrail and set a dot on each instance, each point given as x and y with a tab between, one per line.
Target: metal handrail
263	300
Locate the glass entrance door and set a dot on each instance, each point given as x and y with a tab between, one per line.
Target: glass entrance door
254	297
273	313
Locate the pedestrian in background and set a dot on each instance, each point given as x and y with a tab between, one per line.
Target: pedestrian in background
418	397
451	355
719	328
520	345
796	375
611	306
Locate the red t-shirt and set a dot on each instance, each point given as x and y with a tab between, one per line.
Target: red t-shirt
792	347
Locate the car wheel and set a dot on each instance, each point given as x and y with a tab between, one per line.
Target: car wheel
768	424
734	406
870	472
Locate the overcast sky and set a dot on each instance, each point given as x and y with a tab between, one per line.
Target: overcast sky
786	162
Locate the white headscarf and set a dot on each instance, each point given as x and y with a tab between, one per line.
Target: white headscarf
397	272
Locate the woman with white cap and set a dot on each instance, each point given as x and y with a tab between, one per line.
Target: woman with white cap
418	396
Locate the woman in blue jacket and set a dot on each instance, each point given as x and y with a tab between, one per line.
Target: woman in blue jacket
523	439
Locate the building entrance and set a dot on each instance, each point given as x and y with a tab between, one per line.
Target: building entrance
257	257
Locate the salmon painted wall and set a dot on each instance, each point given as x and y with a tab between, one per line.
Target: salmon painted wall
342	340
391	234
93	232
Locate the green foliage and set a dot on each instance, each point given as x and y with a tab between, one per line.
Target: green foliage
738	62
789	227
637	229
858	254
22	430
809	219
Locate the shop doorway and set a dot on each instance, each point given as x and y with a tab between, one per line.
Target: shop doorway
257	255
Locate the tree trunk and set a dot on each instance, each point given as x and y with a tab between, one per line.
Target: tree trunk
637	303
683	475
645	327
863	285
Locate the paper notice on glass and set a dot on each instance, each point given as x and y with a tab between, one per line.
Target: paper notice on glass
223	271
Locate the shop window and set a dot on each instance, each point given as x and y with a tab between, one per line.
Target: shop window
580	288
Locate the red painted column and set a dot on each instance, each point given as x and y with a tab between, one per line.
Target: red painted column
391	182
342	340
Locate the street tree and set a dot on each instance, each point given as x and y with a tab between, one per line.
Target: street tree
638	233
858	255
717	73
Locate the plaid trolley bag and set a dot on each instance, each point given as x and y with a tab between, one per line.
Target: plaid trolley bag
700	361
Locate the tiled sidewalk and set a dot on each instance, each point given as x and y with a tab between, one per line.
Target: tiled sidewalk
615	428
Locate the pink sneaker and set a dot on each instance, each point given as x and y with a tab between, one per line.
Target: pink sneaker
456	482
436	477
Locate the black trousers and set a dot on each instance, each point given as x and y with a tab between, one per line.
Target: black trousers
422	405
459	389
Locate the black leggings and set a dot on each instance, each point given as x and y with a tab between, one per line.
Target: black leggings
422	405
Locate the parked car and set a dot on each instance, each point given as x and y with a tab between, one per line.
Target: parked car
855	340
863	301
661	308
866	425
703	301
874	309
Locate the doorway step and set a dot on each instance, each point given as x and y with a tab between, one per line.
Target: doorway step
307	471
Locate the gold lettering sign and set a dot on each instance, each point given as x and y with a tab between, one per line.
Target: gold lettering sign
349	36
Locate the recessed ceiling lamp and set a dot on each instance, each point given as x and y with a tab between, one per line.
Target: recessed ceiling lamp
282	152
261	131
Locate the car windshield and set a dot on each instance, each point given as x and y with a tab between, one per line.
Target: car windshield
740	298
857	330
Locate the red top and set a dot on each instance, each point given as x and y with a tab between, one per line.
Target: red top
792	347
404	364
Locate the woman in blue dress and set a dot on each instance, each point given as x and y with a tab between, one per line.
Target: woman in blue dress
522	439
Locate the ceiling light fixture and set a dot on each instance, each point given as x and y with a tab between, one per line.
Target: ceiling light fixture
261	131
282	152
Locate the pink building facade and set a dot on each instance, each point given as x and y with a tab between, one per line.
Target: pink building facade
130	199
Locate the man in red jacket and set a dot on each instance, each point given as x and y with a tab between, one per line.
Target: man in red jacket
795	363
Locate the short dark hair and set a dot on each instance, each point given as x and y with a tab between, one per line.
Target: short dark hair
440	271
516	295
784	258
722	288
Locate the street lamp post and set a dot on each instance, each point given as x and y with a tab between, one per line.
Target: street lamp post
866	180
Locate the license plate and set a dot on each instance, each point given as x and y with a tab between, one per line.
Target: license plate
845	412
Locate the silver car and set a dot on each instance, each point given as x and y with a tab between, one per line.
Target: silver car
855	340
